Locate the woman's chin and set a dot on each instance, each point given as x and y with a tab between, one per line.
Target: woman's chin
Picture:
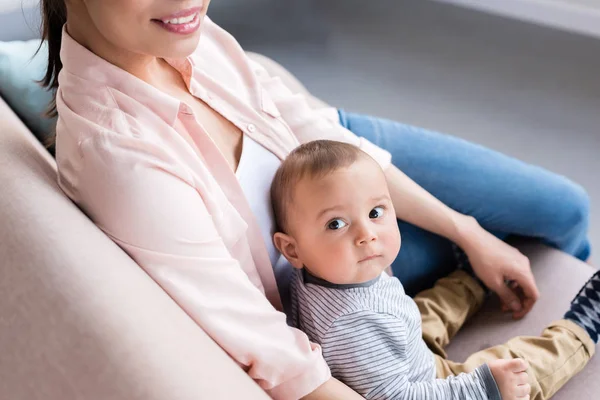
179	48
165	44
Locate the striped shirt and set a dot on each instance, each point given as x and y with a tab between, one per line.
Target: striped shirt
370	334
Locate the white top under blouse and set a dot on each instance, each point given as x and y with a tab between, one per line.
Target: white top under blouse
255	173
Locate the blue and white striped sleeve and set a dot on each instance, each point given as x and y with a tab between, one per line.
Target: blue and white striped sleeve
367	351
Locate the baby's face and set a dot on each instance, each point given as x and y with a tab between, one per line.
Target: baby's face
344	225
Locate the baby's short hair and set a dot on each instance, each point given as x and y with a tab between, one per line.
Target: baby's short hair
310	160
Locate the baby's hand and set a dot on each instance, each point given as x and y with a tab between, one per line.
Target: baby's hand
512	378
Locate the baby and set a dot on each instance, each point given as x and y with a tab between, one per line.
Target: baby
337	226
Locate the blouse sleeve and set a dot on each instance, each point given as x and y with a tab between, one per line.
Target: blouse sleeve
309	124
145	202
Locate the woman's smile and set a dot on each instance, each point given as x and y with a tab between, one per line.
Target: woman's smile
183	22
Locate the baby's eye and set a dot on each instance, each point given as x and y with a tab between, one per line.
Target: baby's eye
336	224
377	212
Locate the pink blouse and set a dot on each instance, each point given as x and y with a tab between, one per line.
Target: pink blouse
177	208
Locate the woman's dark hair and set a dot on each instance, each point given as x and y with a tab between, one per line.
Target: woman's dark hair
54	16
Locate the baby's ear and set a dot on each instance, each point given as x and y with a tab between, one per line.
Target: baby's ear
287	246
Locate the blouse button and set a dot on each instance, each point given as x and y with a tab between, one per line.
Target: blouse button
251	128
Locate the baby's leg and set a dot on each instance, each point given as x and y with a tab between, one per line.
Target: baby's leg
562	350
446	307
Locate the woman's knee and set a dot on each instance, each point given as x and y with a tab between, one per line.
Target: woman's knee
574	207
569	223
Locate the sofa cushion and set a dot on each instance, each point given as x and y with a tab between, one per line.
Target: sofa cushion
559	278
20	69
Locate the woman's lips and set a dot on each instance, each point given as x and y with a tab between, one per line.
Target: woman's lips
183	22
180	14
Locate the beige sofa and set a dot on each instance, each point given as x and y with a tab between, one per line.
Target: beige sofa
80	320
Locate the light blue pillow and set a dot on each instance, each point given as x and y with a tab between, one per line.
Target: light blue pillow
19	72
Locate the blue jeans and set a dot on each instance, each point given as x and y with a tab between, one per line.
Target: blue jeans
505	195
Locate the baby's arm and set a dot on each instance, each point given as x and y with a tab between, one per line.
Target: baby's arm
368	351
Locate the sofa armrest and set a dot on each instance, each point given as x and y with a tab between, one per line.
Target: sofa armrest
78	318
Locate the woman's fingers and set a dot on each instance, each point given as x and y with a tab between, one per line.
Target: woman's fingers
513	285
508	297
528	293
519	297
496	262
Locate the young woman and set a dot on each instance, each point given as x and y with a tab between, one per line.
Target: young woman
168	137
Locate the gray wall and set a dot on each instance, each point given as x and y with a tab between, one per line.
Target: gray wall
20	24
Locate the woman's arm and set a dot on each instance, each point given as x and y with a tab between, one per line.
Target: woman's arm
415	205
306	122
493	260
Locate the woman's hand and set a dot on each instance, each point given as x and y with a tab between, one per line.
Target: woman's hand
496	263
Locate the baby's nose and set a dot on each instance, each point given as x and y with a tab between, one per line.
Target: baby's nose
365	236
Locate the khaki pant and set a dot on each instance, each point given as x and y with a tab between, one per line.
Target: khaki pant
558	354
